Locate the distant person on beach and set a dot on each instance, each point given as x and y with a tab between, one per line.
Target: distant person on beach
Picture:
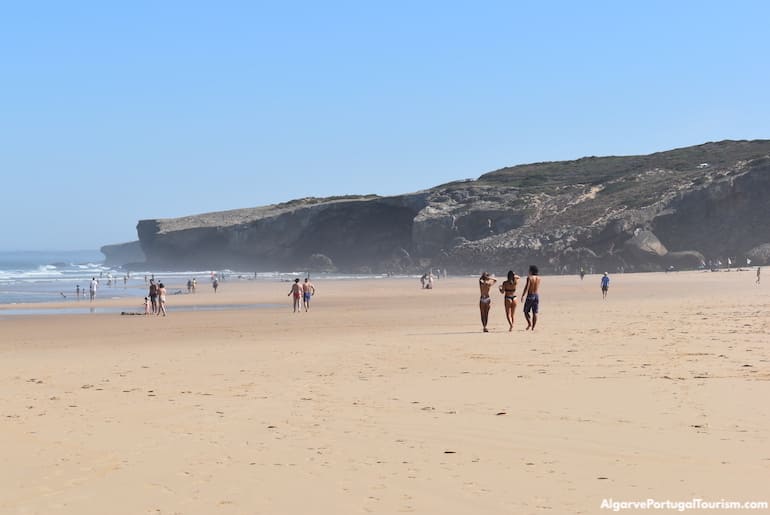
605	285
485	301
531	297
215	284
308	290
194	284
153	294
146	306
296	292
758	272
77	291
508	289
582	273
161	299
92	288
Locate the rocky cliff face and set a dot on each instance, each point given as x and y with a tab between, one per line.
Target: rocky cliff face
676	208
123	253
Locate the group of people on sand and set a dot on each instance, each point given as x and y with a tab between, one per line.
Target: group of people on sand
301	292
155	302
530	294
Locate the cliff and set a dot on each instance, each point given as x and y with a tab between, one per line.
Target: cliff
678	208
123	253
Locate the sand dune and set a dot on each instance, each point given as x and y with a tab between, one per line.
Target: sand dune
386	398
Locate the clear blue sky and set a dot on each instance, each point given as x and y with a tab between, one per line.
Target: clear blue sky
112	112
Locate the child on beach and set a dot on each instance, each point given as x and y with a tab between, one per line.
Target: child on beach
146	306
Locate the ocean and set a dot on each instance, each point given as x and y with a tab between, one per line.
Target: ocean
53	276
45	276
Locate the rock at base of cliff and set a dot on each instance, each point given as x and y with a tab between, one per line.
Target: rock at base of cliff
321	263
687	259
645	245
760	255
123	253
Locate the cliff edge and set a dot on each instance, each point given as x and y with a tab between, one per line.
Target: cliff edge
678	208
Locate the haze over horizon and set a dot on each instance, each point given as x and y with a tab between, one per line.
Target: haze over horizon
112	114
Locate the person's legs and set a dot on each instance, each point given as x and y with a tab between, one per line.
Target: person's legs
484	308
509	313
535	311
527	307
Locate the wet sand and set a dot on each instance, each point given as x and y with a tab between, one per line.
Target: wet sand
386	398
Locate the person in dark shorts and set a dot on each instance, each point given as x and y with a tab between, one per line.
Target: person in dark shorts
605	285
153	294
531	296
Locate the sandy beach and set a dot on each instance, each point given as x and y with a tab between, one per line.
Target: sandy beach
386	398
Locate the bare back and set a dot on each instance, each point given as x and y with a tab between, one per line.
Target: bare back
533	284
486	285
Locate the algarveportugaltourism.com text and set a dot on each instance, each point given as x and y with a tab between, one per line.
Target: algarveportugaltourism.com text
692	504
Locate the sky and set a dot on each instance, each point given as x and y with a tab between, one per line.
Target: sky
112	112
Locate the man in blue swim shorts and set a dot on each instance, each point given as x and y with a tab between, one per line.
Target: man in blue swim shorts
531	297
308	290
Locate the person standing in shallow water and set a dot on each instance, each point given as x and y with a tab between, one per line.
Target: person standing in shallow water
161	299
296	292
153	294
531	295
92	288
485	301
508	289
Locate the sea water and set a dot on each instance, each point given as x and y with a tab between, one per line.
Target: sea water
54	276
47	276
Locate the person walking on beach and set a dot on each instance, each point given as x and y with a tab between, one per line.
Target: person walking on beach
92	288
153	294
215	284
759	269
485	301
532	297
296	292
508	289
77	291
161	299
308	290
146	306
605	285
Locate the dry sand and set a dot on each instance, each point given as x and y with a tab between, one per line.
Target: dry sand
386	398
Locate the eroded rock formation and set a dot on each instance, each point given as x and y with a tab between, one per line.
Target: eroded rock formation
678	208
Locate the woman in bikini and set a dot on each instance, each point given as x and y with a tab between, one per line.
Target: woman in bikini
508	289
485	302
